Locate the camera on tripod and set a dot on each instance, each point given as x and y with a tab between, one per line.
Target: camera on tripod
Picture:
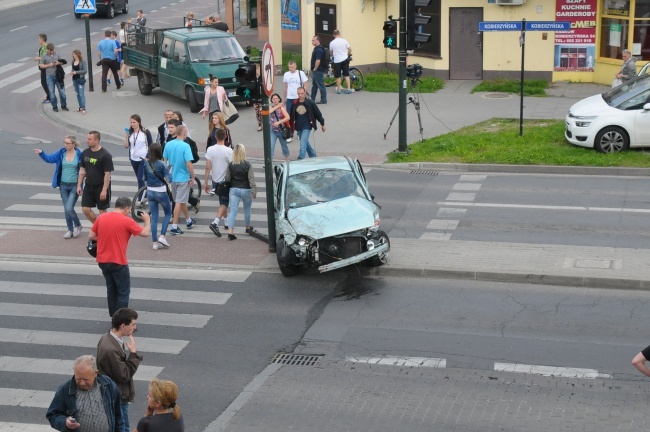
414	71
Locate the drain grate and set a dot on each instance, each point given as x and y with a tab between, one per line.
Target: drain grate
297	359
424	172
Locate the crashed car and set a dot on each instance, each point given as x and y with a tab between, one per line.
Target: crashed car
325	216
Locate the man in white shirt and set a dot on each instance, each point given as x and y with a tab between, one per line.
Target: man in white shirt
293	79
217	159
340	52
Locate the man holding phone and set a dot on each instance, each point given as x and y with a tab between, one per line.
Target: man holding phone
74	401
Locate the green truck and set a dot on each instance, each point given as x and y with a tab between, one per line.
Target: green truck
180	60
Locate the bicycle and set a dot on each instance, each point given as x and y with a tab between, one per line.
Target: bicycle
141	194
356	77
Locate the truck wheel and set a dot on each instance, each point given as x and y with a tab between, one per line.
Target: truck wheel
145	88
382	258
191	98
286	270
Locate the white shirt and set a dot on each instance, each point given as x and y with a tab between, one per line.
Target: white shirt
219	156
339	48
293	81
138	145
121	36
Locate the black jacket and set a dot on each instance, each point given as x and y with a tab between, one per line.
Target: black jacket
60	73
312	110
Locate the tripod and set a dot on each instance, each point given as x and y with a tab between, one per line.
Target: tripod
415	100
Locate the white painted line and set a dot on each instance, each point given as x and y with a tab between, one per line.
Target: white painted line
435	236
24	59
472	178
461	196
550	371
31	72
149	294
24	427
86	340
206	201
441	224
95	314
400	361
62	45
78	39
39	222
94	33
12	66
63	367
65	14
36	139
25	398
451	212
107	28
16	29
467	186
548	207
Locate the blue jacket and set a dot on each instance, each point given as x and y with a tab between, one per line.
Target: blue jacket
64	404
57	158
159	168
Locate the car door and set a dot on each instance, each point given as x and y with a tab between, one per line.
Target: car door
164	77
634	113
178	69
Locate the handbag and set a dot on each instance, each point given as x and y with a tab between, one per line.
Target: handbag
169	191
286	131
617	82
229	112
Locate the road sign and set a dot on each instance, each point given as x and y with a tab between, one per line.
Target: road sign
85	7
484	26
548	25
268	69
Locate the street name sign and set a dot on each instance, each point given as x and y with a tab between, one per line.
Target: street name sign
485	26
548	26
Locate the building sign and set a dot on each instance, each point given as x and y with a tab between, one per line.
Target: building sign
617	8
575	49
290	14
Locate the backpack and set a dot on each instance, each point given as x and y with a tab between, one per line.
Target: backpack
325	61
195	150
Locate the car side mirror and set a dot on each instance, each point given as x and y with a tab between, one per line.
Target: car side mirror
646	107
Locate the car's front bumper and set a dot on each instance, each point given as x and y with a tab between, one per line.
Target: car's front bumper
580	136
355	259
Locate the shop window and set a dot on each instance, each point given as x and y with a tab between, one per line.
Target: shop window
263	12
617	17
433	28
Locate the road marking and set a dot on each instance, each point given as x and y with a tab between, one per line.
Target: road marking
467	186
461	196
547	207
24	427
435	236
441	224
548	371
78	39
63	367
16	29
153	294
26	398
86	340
24	59
95	314
62	45
451	212
65	14
10	66
472	178
19	76
400	361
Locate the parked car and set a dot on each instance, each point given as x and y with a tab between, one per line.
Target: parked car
107	7
613	121
325	216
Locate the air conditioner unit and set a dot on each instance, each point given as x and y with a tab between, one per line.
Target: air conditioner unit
510	2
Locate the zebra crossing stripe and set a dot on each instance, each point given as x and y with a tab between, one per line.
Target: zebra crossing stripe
63	367
165	295
24	427
9	66
554	371
25	398
86	340
94	314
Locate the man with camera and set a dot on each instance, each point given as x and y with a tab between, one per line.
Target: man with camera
112	231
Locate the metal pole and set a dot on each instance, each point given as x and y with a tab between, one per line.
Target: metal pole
403	89
521	89
268	169
89	55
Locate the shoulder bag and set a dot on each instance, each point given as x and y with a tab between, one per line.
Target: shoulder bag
229	112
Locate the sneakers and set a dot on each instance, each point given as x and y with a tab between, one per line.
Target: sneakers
212	192
349	91
190	224
232	237
163	241
55	109
76	232
67	235
157	246
176	231
338	91
249	229
45	101
321	103
65	108
289	140
122	81
215	229
108	81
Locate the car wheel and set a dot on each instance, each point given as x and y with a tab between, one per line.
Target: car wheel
382	258
191	98
611	140
286	270
126	8
111	12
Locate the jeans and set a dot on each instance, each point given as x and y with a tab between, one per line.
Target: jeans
319	84
118	285
161	198
288	103
113	66
53	84
44	85
125	416
69	197
283	144
79	89
138	169
245	195
304	144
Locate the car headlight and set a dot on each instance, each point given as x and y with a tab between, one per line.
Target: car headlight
582	123
302	241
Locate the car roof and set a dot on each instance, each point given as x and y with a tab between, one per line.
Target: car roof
319	163
198	32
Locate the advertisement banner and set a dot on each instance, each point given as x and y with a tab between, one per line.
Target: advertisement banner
290	14
575	49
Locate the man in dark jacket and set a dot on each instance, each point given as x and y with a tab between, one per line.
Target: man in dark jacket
70	410
118	359
304	114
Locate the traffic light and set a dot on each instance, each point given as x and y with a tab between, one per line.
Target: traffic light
415	38
390	34
249	87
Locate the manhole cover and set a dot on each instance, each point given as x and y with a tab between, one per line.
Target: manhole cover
125	93
297	359
497	95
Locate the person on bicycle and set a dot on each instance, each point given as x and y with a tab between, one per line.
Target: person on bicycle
341	52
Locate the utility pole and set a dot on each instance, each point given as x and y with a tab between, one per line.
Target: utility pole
403	87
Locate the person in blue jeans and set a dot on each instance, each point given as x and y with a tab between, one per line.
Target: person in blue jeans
278	117
242	188
79	70
65	178
304	114
49	63
156	177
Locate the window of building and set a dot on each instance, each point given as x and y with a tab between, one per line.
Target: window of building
618	18
263	12
432	49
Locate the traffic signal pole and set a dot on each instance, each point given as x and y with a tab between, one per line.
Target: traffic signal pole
403	86
268	170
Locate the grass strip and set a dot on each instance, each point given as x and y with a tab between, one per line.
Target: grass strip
531	87
388	82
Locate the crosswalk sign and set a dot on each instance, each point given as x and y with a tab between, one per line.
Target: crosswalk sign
85	7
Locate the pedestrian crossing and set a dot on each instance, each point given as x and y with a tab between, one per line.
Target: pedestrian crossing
40	337
44	209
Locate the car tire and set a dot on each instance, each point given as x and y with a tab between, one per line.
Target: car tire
144	88
126	8
286	270
612	139
191	98
382	258
78	16
111	12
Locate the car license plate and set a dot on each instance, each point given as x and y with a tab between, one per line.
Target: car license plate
231	94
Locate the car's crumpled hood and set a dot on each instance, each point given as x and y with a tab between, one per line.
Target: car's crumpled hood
592	106
334	217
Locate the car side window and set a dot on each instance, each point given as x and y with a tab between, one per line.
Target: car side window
166	47
636	102
180	53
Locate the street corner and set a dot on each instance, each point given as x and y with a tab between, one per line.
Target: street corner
45	243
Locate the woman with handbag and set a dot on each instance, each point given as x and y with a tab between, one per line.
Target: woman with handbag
156	177
242	188
280	126
215	95
218	122
137	141
79	70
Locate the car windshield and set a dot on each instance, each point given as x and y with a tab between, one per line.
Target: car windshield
635	90
320	186
215	49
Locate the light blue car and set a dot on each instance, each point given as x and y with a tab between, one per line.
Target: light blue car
325	216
